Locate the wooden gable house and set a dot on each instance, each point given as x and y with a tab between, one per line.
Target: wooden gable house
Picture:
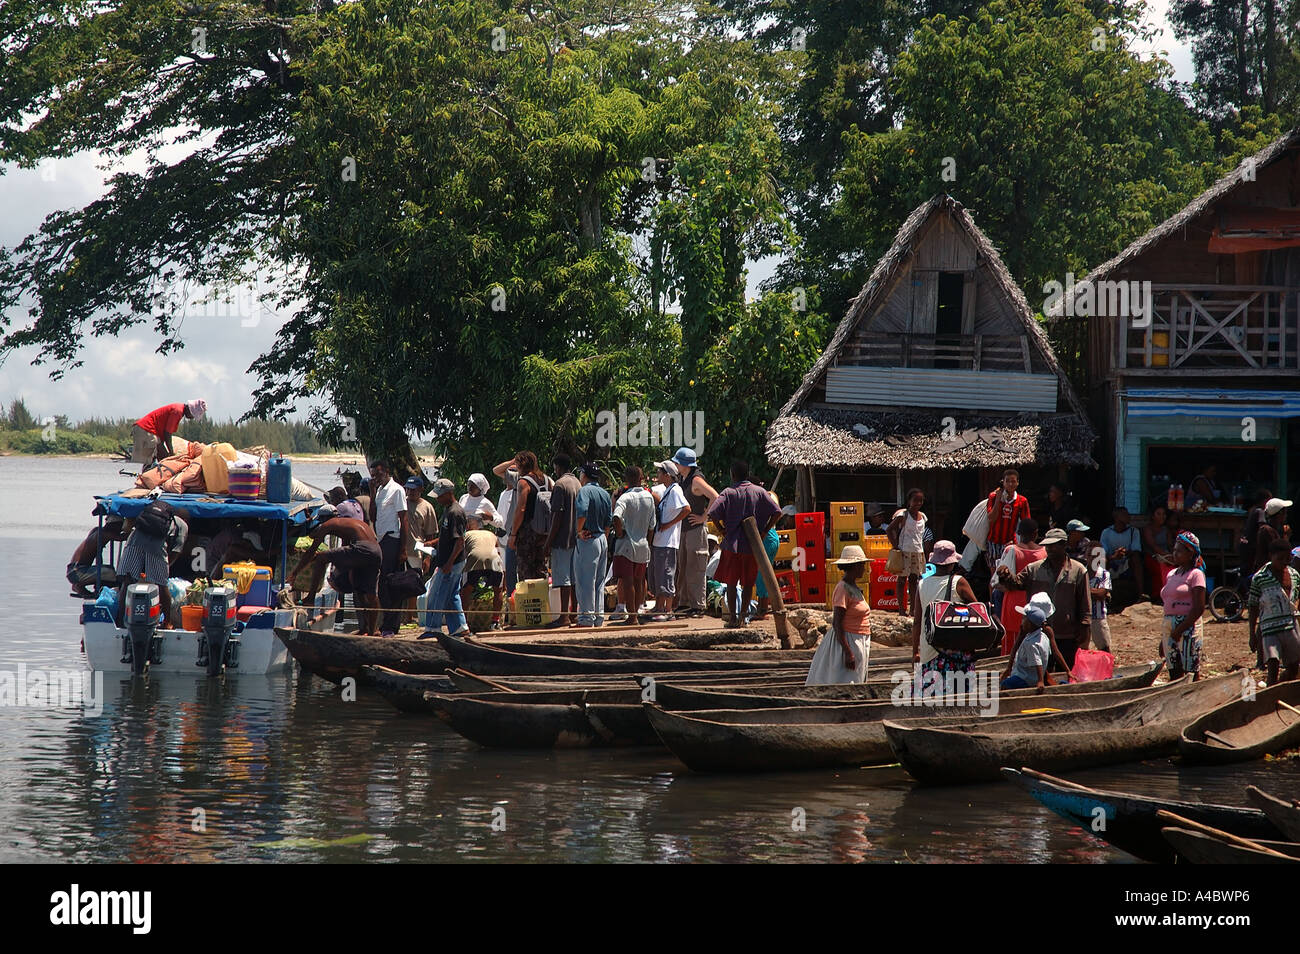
938	376
1210	373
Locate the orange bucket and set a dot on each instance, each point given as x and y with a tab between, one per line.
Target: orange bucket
192	618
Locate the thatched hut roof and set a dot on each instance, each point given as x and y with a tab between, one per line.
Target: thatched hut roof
1201	204
855	438
824	436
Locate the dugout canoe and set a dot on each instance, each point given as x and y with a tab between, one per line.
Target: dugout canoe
403	690
822	737
577	650
335	655
492	661
1204	845
1131	822
1062	742
1284	813
1199	848
1246	729
757	681
510	725
677	694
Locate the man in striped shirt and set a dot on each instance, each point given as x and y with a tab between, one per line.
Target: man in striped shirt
1006	508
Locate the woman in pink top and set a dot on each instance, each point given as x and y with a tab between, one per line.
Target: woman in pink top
842	655
1183	596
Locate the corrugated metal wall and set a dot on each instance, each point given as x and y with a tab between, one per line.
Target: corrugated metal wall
922	387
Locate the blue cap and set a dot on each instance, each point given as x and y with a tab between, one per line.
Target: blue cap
1035	614
415	483
685	456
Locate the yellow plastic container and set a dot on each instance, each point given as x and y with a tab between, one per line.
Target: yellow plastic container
785	546
1159	349
847	515
533	603
876	546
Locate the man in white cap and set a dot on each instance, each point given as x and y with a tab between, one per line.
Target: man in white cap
1273	527
1065	581
153	432
693	554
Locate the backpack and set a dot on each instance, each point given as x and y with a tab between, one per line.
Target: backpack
155	520
541	507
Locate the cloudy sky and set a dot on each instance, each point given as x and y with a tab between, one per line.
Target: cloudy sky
124	377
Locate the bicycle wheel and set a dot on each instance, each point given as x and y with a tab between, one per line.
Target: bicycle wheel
1226	604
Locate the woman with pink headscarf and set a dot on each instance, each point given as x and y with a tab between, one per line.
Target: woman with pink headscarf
153	432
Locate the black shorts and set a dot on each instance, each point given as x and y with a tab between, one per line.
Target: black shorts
491	577
361	561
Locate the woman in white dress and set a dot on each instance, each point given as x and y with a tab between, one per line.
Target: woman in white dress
842	654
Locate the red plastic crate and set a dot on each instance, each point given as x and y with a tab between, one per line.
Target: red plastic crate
812	586
810	535
884	587
789	585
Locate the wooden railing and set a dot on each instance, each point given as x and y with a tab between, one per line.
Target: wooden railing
964	352
1251	328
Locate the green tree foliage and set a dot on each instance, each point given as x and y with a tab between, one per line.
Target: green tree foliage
1246	54
769	348
19	417
1048	126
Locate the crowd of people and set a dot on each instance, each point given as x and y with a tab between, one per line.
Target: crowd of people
1054	593
648	535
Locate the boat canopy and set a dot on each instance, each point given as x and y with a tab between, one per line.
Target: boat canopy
203	507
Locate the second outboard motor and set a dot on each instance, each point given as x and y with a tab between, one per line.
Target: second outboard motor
143	616
217	645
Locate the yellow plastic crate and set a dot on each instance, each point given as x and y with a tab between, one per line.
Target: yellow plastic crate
847	514
876	546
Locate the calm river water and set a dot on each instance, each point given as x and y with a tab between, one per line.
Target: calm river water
283	770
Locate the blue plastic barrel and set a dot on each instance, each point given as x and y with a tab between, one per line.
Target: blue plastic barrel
279	480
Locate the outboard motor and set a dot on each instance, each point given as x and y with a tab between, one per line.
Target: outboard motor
218	644
143	616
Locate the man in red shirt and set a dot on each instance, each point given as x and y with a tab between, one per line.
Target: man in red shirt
1006	508
153	432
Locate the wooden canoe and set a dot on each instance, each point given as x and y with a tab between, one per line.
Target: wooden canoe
576	650
510	725
1198	848
1204	845
1282	812
1128	820
821	737
774	681
1066	741
1245	729
492	661
780	679
335	655
678	694
403	690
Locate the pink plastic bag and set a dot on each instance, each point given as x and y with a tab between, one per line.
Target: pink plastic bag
1092	664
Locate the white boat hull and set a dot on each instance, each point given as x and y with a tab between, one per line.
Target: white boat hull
260	651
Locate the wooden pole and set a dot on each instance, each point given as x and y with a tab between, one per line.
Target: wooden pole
769	580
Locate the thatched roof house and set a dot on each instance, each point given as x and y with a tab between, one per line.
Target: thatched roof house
1207	373
938	366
